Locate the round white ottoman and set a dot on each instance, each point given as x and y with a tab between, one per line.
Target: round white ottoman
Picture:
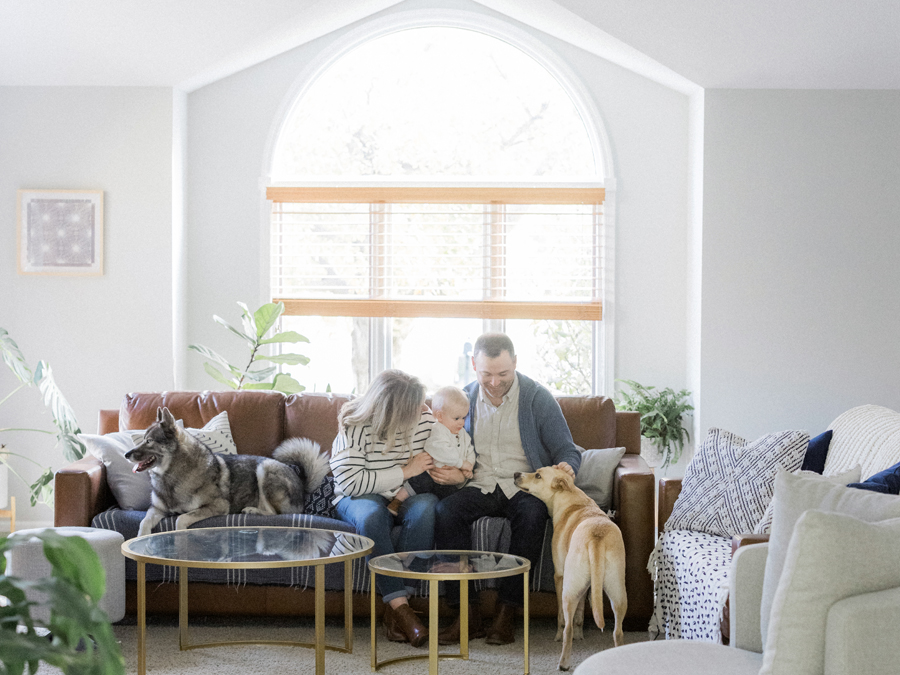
28	562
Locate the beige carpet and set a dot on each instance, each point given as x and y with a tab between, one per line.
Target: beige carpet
164	657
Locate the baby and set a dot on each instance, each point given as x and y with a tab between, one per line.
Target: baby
449	443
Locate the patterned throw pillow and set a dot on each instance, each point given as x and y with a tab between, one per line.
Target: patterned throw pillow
215	434
319	501
729	482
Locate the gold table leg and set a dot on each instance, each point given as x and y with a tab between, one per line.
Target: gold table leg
433	627
374	659
348	606
320	619
142	618
525	622
183	637
464	618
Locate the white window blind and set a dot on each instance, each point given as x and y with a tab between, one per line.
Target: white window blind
445	252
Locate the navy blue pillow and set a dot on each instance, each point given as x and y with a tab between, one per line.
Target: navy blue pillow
887	481
814	460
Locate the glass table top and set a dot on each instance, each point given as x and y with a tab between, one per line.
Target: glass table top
447	564
247	546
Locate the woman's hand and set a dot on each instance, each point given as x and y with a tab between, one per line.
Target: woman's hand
418	464
447	475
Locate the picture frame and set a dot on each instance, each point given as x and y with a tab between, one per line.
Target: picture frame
60	232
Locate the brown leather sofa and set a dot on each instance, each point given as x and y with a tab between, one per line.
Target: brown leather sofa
261	420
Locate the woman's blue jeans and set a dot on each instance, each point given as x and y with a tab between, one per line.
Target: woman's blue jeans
369	515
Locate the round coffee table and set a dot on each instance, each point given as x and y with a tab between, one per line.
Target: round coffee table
437	566
248	548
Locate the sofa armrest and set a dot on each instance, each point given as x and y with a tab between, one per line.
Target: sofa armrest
633	501
863	633
80	492
628	431
747	539
748	567
669	489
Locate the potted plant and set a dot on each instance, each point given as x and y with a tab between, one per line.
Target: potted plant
80	640
67	429
254	328
662	416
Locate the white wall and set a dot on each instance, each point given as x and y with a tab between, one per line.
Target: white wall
801	257
103	336
647	124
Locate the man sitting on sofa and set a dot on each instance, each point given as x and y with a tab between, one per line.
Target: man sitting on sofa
516	426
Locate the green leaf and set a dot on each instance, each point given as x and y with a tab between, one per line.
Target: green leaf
41	490
13	358
247	321
249	340
260	375
266	316
287	336
218	375
287	384
63	415
288	359
214	356
266	386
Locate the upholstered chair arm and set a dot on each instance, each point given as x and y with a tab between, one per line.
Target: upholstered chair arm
669	489
80	492
748	567
633	504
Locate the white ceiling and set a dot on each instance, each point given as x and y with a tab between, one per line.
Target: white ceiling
834	44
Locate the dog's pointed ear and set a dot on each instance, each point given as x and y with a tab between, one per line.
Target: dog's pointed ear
559	484
166	417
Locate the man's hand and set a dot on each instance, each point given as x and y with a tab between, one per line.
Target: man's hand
564	466
447	475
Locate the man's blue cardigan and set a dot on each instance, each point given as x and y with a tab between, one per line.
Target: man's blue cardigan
546	438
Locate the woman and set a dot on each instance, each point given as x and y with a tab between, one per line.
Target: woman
380	446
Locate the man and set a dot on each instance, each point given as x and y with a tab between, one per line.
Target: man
516	426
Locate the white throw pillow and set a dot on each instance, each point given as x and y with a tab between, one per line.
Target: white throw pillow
728	483
830	557
132	490
868	435
765	524
797	494
595	477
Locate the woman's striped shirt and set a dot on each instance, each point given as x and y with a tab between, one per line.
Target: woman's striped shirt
363	465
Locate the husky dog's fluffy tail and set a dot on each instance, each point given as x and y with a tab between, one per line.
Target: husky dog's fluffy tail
304	454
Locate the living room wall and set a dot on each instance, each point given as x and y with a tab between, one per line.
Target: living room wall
229	127
801	244
103	336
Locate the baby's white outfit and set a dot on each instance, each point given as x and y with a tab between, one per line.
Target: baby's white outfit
447	449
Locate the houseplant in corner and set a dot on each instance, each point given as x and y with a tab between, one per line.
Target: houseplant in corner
254	328
662	420
81	640
67	429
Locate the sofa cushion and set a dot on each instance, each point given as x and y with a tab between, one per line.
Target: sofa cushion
794	496
591	419
596	474
868	435
728	483
313	415
821	569
765	524
257	417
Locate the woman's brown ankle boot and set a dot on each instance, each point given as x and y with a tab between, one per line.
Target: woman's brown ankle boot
402	625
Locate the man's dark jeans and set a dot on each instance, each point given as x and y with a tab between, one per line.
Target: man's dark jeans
527	516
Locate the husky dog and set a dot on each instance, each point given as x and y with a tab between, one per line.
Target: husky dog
189	479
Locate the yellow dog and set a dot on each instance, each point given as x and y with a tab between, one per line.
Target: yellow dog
587	551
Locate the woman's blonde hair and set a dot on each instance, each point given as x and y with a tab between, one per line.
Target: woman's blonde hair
392	405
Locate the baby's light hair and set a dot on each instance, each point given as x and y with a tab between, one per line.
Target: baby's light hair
449	396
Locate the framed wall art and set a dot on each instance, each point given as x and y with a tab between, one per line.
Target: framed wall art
60	232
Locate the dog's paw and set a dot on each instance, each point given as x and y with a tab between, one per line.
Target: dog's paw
559	635
563	666
578	633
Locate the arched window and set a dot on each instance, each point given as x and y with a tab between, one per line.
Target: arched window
429	185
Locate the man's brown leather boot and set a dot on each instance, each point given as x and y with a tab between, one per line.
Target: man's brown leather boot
402	625
450	635
502	631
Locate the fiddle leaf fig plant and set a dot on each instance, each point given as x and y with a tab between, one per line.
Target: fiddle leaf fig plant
81	640
662	416
255	326
64	420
